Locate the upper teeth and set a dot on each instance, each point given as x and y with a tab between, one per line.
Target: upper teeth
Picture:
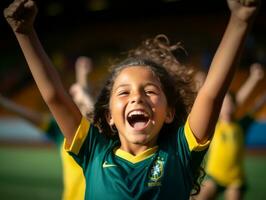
138	112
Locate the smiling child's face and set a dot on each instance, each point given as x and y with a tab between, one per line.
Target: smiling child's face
138	107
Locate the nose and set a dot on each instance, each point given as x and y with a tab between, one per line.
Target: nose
136	97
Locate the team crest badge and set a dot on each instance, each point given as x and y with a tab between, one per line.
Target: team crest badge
156	172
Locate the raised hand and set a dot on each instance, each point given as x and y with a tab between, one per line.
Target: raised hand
83	67
256	71
82	99
20	15
243	9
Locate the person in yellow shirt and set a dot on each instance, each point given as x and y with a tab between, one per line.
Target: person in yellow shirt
224	164
73	178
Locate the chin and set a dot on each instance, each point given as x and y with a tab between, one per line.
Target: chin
138	139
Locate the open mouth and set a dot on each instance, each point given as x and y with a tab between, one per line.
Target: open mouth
138	119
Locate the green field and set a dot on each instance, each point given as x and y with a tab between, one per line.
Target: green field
30	173
35	174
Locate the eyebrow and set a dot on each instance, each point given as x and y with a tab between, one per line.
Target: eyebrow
147	84
119	86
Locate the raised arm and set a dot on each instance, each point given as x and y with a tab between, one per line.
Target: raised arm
20	15
255	75
206	109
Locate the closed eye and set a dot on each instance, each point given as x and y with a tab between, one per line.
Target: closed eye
122	93
151	89
150	92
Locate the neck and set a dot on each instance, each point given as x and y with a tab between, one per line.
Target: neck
135	149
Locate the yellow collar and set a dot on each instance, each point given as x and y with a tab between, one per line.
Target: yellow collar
135	159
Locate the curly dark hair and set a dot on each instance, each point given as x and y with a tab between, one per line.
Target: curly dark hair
177	83
160	51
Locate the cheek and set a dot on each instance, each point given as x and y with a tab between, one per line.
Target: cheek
159	105
159	102
116	105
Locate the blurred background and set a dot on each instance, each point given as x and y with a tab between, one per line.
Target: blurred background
103	29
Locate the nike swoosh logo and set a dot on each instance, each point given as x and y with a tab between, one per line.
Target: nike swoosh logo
105	165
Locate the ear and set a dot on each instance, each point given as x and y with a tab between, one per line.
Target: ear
170	115
109	118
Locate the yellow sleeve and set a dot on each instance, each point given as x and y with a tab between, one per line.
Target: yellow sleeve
79	137
192	141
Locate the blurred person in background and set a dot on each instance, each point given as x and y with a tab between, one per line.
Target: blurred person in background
225	157
73	178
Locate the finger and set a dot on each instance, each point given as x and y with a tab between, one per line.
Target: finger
13	9
249	2
29	4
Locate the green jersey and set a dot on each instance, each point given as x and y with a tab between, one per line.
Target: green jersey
162	172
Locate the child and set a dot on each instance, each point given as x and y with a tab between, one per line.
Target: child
224	166
73	179
138	146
